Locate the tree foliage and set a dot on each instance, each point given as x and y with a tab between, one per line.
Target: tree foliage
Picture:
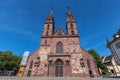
99	63
9	61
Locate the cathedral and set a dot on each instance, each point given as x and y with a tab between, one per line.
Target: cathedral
60	53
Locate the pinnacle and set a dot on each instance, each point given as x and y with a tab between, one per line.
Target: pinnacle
51	11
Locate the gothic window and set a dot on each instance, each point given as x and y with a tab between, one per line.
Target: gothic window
48	27
88	63
29	73
45	42
71	25
47	33
117	45
72	32
31	64
59	47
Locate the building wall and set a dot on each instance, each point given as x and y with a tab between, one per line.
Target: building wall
116	67
21	71
74	70
116	51
113	67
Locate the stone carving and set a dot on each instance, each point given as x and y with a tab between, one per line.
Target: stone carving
75	61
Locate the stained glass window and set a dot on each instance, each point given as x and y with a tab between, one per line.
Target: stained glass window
59	47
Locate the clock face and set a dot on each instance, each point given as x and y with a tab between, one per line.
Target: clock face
117	35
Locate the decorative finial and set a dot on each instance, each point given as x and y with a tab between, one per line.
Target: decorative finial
118	31
51	11
107	40
69	10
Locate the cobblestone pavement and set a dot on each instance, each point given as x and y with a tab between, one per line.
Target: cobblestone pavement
54	78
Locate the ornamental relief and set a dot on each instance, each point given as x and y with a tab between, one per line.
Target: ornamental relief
75	62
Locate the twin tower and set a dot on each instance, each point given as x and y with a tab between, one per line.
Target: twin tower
70	25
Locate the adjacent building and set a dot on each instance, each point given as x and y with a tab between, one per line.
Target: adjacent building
114	46
60	53
23	63
111	64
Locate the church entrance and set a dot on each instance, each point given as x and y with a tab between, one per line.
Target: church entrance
59	68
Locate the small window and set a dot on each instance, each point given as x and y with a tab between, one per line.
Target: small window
47	33
48	27
72	32
31	64
71	25
20	72
45	42
117	45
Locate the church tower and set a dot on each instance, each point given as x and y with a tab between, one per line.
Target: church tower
49	25
114	46
60	53
71	24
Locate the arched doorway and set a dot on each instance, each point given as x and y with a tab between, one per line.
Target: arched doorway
59	68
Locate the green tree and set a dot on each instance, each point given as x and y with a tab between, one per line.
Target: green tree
99	63
9	61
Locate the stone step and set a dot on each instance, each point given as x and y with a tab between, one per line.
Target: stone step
54	78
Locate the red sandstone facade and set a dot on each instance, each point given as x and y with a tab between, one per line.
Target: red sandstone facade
60	53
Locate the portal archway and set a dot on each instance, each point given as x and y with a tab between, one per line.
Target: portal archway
59	68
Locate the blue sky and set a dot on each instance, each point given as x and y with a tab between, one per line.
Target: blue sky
21	22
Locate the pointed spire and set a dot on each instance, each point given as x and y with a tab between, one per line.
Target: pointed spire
107	40
50	16
68	10
118	31
51	11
